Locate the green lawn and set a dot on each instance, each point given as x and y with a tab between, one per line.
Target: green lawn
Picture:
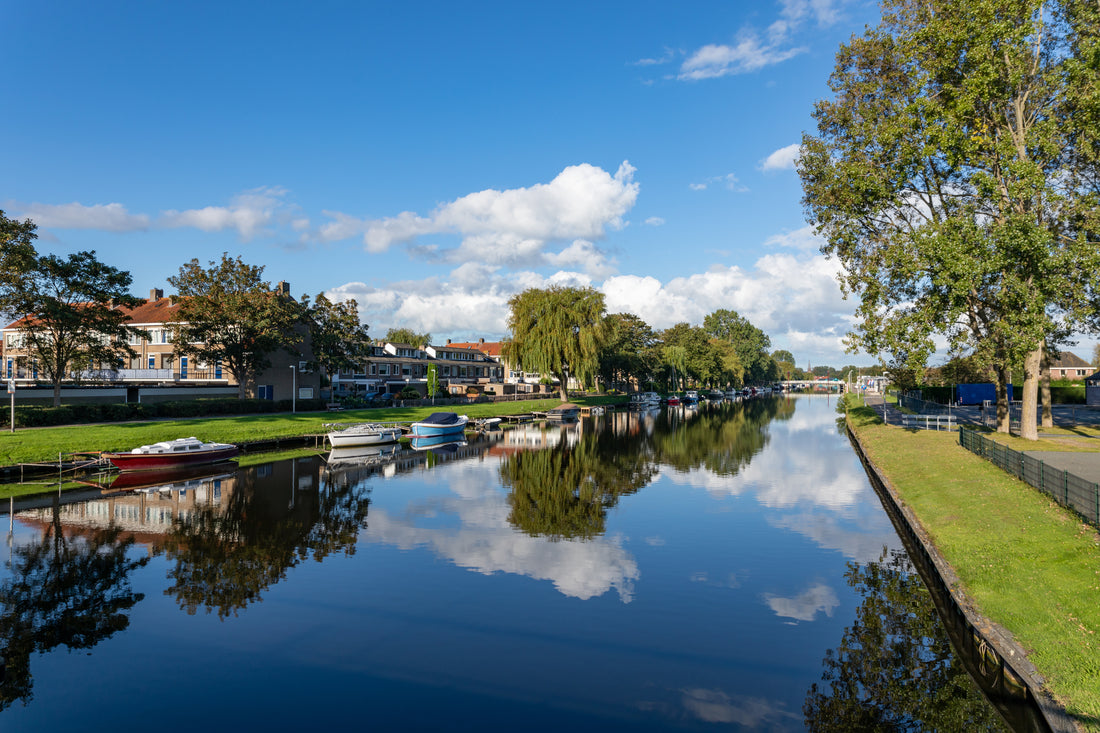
1030	565
44	444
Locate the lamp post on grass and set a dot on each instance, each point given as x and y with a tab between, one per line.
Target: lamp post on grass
293	388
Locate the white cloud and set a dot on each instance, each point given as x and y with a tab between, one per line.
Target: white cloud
654	221
665	58
748	54
513	227
783	292
752	51
106	217
782	159
249	213
583	254
697	186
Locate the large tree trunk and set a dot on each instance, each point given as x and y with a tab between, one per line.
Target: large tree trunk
563	380
1002	377
1044	391
57	392
1029	414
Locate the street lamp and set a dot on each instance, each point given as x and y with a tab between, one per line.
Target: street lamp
293	388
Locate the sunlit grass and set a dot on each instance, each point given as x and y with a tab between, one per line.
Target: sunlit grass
1030	565
44	444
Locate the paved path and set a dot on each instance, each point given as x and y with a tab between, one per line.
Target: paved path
1082	465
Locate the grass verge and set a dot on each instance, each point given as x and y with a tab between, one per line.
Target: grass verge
1030	565
31	445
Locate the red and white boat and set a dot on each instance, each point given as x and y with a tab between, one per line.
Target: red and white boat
172	454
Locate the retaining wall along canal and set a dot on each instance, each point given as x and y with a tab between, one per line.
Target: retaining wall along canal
993	658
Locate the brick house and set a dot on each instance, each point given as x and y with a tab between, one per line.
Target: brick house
157	365
1070	366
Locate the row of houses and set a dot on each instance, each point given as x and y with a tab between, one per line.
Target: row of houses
461	368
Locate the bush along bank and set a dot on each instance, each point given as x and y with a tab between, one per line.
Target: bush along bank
33	416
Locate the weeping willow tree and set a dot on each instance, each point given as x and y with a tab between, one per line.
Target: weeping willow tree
557	331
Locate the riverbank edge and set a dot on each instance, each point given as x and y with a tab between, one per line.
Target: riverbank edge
999	639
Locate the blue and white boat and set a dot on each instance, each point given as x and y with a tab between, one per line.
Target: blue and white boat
440	423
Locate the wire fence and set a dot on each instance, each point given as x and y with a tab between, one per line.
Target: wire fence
910	401
1064	487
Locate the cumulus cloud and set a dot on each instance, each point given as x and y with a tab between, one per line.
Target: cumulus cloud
106	217
514	226
249	213
782	159
782	292
654	221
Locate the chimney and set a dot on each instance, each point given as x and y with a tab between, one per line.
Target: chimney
448	342
283	288
480	342
156	294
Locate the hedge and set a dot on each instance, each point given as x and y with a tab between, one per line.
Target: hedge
37	416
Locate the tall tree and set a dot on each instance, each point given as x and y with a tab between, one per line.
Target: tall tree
557	331
750	342
69	306
338	339
229	314
954	177
625	355
407	336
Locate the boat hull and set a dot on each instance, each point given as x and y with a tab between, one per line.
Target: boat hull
350	438
160	461
431	430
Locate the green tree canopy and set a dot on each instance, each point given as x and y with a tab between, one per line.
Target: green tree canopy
557	331
339	341
953	175
625	356
229	314
71	304
407	336
750	343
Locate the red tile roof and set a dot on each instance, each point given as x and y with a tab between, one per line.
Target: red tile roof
491	348
159	310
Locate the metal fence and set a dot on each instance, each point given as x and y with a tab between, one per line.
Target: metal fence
1064	487
910	401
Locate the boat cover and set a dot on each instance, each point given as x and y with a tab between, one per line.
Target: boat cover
441	418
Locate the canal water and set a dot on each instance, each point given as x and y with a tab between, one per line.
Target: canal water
721	568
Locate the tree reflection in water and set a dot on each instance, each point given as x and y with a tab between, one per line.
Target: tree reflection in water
894	669
227	556
63	591
566	491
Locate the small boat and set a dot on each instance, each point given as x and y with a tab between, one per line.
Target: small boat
440	423
487	423
645	400
172	454
362	434
673	401
691	397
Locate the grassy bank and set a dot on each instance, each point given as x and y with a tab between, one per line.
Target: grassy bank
44	444
1030	565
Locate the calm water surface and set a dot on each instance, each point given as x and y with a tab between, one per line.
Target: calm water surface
728	568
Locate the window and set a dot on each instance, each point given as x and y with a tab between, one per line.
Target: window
383	369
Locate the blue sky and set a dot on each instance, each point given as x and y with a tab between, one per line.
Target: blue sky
433	159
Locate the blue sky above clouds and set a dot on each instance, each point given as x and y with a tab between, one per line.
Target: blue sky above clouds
433	159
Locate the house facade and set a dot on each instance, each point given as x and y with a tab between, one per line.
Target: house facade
158	365
1070	366
391	367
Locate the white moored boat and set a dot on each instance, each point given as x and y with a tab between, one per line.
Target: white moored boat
363	434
